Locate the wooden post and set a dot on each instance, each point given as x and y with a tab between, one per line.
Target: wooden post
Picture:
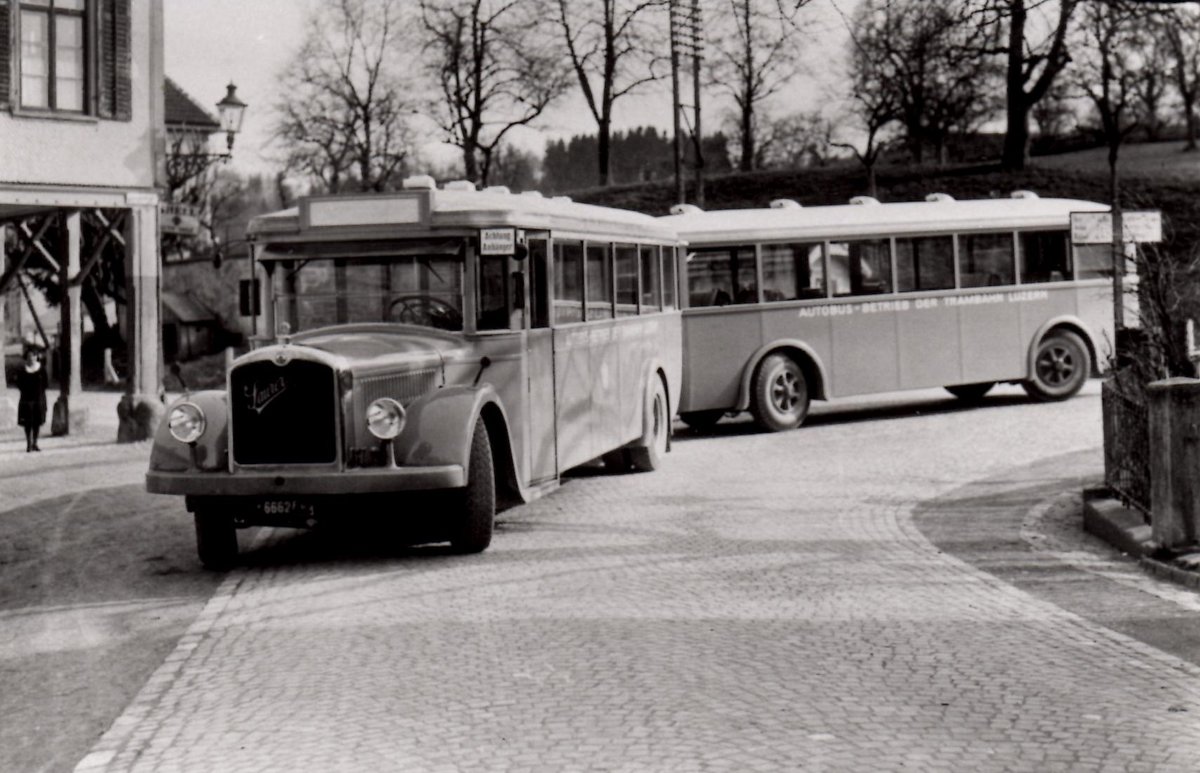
141	408
1174	416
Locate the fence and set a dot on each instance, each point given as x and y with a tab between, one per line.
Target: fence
1126	444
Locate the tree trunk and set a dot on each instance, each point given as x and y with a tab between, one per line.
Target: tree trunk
603	141
1016	136
1016	133
1189	112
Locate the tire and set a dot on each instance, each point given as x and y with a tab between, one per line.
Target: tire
970	393
476	519
1061	366
701	421
650	457
779	397
216	540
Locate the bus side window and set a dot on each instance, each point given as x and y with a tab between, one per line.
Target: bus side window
651	271
671	256
1044	257
599	281
986	260
568	282
493	294
722	276
791	273
860	268
925	263
627	279
539	291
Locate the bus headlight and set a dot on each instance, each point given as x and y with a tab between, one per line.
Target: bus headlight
385	418
186	422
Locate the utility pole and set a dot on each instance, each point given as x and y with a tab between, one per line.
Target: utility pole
687	40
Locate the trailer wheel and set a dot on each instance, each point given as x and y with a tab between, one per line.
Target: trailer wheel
780	396
475	521
1060	367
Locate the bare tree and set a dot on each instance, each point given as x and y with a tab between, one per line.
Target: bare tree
1107	66
1152	40
755	54
1054	113
795	140
1183	37
926	54
1035	52
492	71
342	119
872	106
612	46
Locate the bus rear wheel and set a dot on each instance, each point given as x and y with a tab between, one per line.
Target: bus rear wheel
971	392
476	517
650	457
1060	367
216	540
779	400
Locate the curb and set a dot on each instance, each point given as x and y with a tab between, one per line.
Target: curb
1126	529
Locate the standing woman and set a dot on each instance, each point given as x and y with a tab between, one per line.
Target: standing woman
31	408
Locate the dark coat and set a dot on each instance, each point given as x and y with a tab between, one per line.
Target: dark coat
31	408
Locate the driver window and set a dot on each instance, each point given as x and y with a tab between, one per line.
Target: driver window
493	293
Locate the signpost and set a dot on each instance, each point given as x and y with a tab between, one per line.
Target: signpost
179	219
1135	227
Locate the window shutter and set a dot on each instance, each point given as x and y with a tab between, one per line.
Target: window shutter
6	51
113	61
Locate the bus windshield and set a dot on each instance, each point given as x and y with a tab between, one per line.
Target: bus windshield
419	285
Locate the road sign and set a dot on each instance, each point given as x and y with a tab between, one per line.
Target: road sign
1096	227
179	219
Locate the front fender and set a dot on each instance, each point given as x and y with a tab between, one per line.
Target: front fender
210	453
440	427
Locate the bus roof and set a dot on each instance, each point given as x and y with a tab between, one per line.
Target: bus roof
940	215
425	211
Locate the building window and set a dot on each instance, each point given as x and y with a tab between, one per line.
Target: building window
54	48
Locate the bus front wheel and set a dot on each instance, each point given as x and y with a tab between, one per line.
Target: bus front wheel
1060	367
780	397
216	540
476	516
649	457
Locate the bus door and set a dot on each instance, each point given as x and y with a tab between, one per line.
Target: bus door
542	447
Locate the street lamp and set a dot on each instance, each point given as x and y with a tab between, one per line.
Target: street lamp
231	111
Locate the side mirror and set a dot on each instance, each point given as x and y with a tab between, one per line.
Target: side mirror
521	252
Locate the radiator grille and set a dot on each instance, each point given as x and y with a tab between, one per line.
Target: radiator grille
283	414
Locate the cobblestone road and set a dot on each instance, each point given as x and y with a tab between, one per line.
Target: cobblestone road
767	602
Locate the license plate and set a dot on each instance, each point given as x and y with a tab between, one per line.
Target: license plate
287	507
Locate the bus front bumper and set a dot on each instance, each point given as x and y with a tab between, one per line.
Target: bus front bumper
304	483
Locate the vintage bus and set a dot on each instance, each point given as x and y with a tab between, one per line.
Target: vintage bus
477	342
786	304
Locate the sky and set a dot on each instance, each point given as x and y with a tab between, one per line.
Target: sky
210	43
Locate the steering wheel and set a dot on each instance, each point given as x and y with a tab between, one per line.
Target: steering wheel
425	310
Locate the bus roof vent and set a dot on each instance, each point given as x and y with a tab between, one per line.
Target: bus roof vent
864	200
1023	195
785	204
459	185
939	197
419	182
684	209
497	189
563	199
532	194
